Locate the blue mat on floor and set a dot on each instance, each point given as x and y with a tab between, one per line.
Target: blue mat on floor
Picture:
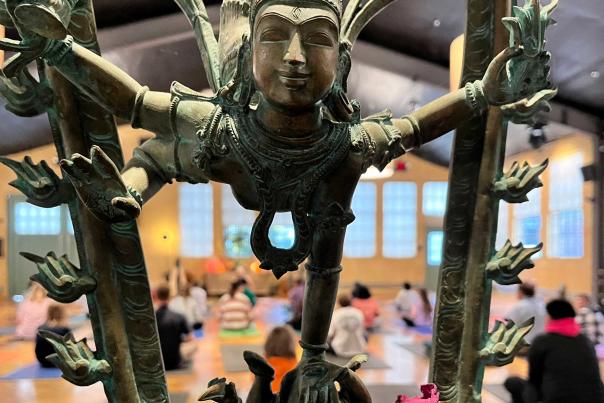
33	371
7	331
422	329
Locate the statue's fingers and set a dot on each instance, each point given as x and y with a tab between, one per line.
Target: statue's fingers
323	394
74	174
499	62
127	205
29	168
82	163
305	396
103	164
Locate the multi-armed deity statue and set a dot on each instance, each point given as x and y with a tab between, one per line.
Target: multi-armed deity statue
282	133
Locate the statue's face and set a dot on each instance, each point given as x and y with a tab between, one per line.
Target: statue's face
295	54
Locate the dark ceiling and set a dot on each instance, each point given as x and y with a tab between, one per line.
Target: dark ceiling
401	59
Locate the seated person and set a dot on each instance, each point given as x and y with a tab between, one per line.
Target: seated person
346	335
363	301
563	366
404	300
174	333
56	322
528	306
590	320
187	306
31	312
235	308
242	274
280	352
296	302
422	313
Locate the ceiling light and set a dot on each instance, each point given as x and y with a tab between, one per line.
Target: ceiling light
595	74
436	23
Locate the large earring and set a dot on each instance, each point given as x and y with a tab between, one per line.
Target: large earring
337	101
241	88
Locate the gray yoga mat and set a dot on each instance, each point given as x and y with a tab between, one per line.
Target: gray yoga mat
232	358
499	392
415	348
179	397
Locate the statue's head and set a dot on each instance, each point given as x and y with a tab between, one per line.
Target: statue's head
295	51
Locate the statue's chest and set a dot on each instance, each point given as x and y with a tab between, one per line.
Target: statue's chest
266	172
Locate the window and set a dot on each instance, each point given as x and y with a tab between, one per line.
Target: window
434	250
502	225
34	220
434	201
565	217
360	236
196	220
399	219
281	233
527	221
236	225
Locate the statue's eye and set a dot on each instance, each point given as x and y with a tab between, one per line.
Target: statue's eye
318	39
273	35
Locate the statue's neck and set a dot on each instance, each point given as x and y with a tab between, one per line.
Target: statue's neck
282	122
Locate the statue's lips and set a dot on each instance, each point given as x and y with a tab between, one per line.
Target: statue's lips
293	80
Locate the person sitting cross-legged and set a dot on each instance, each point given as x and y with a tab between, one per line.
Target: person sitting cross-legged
563	367
175	336
346	335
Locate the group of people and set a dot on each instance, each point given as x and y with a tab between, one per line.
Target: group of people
563	365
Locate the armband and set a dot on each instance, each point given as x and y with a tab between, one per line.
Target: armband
475	97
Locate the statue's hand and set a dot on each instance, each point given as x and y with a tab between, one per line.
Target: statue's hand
513	76
317	382
522	70
100	187
38	25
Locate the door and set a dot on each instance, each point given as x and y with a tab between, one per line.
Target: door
39	231
434	255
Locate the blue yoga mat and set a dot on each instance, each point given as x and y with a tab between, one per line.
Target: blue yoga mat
33	371
7	331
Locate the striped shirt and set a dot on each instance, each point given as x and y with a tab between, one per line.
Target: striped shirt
235	312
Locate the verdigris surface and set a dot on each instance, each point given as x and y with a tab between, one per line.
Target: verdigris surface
280	130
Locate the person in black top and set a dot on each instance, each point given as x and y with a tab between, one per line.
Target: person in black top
56	322
173	331
563	367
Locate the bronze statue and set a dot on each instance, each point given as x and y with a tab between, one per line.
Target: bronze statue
279	130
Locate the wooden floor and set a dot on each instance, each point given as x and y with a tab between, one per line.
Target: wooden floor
406	367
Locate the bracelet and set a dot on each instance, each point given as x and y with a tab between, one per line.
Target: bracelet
475	97
137	196
56	50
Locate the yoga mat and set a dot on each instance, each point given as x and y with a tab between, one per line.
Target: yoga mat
33	371
7	331
250	332
499	391
416	348
179	397
232	356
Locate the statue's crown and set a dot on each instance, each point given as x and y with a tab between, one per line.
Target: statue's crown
334	5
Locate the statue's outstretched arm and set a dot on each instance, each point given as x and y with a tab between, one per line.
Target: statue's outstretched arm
512	78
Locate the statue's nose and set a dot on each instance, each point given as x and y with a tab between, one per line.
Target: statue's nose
295	52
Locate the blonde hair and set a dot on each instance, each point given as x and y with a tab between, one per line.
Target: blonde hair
281	342
36	292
